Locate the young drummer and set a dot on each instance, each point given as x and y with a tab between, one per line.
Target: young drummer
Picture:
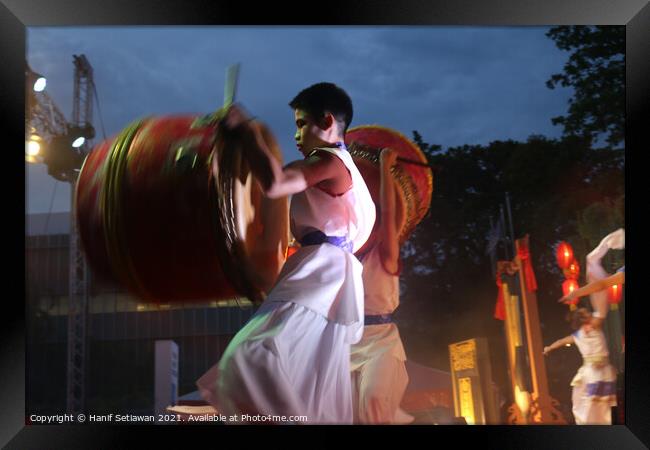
377	361
291	361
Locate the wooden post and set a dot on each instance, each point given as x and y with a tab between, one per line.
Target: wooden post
542	410
512	331
513	339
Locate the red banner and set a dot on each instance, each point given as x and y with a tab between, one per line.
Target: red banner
500	307
529	275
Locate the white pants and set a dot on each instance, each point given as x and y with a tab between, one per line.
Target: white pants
286	361
379	376
378	390
591	408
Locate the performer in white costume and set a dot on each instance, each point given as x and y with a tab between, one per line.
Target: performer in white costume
379	375
594	385
293	357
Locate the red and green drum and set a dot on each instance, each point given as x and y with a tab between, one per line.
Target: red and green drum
169	209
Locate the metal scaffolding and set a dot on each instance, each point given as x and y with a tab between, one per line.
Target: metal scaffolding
78	322
44	119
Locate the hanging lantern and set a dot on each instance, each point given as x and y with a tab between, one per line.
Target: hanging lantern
569	286
564	254
615	294
573	271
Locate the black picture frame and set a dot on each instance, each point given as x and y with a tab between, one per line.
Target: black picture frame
16	15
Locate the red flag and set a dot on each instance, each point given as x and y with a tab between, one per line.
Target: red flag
524	256
500	307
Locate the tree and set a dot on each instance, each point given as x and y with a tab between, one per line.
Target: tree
448	290
596	71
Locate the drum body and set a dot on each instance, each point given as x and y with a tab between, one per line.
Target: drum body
413	183
150	215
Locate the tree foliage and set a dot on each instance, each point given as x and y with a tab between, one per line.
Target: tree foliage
448	289
596	72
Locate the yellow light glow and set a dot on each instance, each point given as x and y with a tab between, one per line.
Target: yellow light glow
32	148
523	400
466	400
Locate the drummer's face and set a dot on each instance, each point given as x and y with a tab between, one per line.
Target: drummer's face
308	134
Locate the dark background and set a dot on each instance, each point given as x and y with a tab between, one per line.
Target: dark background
637	99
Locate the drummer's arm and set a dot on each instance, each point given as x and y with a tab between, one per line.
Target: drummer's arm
279	182
388	239
318	168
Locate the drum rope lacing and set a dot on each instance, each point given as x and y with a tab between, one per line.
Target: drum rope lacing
414	212
112	208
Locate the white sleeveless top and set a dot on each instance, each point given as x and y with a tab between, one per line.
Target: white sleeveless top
351	214
381	288
591	343
324	277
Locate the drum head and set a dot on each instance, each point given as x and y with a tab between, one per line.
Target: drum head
171	217
414	183
255	228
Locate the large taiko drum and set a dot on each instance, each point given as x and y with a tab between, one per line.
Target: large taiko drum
413	182
170	210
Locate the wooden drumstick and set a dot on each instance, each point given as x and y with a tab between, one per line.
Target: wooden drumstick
232	74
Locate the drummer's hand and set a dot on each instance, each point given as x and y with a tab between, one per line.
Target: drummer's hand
388	156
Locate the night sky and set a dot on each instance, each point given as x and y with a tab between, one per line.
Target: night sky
454	85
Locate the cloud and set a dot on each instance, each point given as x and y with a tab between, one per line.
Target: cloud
454	85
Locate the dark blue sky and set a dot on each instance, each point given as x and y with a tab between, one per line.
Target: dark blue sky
454	85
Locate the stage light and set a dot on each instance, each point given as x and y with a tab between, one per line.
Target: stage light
61	158
32	148
40	83
35	80
80	133
79	142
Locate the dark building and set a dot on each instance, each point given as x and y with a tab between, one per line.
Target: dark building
121	332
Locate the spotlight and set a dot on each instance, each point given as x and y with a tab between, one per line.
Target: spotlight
40	83
33	145
34	79
33	149
79	134
61	158
79	142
